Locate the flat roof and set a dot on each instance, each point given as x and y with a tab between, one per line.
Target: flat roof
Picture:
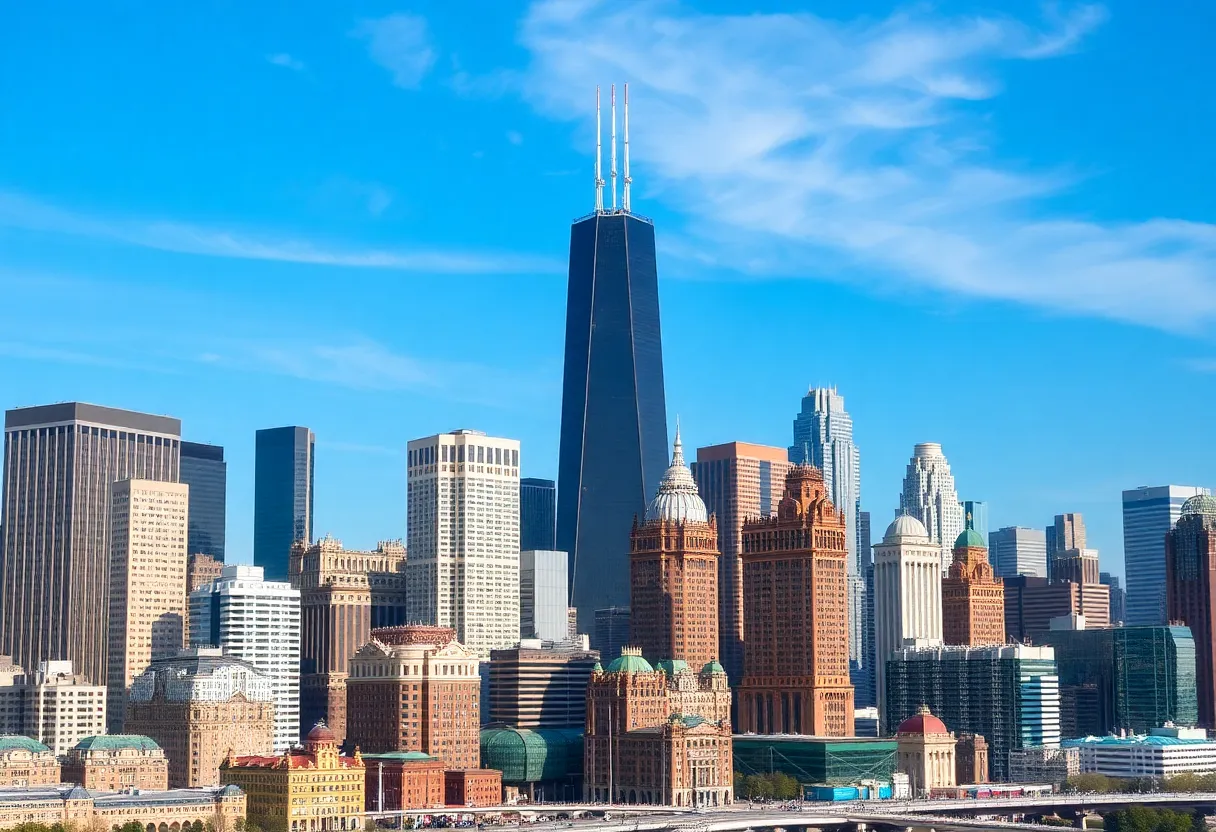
69	412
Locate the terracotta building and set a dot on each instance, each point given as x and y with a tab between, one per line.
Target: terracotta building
304	789
795	616
673	570
344	594
416	688
75	807
970	759
403	780
114	762
973	599
925	752
26	762
472	787
1190	591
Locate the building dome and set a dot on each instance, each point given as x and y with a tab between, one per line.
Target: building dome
1201	504
672	666
922	723
321	733
532	755
713	667
630	661
678	499
905	525
970	539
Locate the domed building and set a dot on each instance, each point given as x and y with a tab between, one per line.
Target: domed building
925	752
973	598
25	762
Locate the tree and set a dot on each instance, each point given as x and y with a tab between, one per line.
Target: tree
1089	783
131	826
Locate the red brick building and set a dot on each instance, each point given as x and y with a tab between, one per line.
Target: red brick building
973	599
404	780
795	616
473	787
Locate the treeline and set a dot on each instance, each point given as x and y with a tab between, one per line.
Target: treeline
1143	819
776	786
1141	785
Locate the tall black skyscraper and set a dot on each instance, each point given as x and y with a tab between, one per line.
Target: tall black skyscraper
537	515
282	496
614	414
204	470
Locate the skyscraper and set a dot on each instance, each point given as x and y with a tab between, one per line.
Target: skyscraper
1148	514
463	537
282	496
614	412
973	599
930	497
865	682
1068	534
204	470
1190	564
978	509
1118	597
60	462
1015	550
543	592
737	480
537	515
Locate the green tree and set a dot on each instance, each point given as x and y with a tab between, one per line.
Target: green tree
1089	783
131	826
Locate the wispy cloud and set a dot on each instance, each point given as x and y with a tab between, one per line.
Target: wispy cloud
802	146
19	211
286	61
401	44
515	137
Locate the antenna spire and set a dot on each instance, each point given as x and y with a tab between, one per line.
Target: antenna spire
628	179
614	147
599	177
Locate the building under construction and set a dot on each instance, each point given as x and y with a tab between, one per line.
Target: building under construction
830	760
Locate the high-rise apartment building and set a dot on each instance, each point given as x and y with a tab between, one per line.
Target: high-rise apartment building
736	480
1148	515
907	593
1190	581
795	616
929	496
614	412
258	621
204	470
463	525
1118	597
54	706
973	599
673	563
148	531
543	593
537	515
540	685
1015	550
60	461
282	496
1068	534
977	510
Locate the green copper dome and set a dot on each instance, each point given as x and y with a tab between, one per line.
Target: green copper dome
9	742
672	666
713	667
597	668
970	539
630	661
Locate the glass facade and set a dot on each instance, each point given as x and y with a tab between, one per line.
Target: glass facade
977	510
1148	514
204	470
614	414
537	514
282	496
816	759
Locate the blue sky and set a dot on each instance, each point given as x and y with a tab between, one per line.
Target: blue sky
991	226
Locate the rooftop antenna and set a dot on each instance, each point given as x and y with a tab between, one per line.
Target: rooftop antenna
628	180
599	177
614	147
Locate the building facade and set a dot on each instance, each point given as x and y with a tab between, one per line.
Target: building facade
258	621
1014	550
115	762
925	753
795	614
544	592
201	570
53	706
540	685
973	599
1032	603
1148	515
970	759
1165	752
403	780
203	469
25	762
929	496
59	463
1118	598
1039	764
612	630
537	515
463	525
75	807
1190	581
1067	535
978	509
148	528
472	788
282	496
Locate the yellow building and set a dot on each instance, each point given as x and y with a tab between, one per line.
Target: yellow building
223	809
302	790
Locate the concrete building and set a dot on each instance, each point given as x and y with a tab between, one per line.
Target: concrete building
970	759
925	753
203	469
344	594
736	480
1190	566
75	807
1015	550
59	463
537	515
463	523
973	599
543	595
907	592
148	528
415	688
258	621
54	706
199	706
612	627
25	762
1165	752
115	762
929	496
1031	604
540	685
865	677
1148	515
282	496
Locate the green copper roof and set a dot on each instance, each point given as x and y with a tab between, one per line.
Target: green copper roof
401	756
970	539
117	742
530	756
692	720
597	668
630	664
672	666
11	743
713	667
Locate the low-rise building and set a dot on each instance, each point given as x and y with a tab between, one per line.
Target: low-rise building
76	807
403	780
1163	753
925	752
837	761
1043	765
473	787
542	764
26	762
117	761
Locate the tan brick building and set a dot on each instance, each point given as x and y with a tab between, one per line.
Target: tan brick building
472	787
117	761
973	599
74	807
795	616
26	762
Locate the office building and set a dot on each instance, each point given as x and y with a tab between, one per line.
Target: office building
60	461
866	722
1118	597
344	593
973	599
1165	752
1010	695
1031	604
25	763
199	706
865	677
907	592
614	412
543	594
537	515
929	496
795	616
1067	534
971	759
1148	515
258	621
1077	565
148	528
282	496
472	788
925	753
838	761
463	524
204	470
415	688
1124	679
1015	550
673	563
117	762
1190	563
736	480
74	807
612	630
977	510
53	706
540	685
201	570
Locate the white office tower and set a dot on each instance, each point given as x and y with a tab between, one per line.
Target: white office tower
463	537
258	621
1148	514
1014	550
929	496
823	437
907	594
544	595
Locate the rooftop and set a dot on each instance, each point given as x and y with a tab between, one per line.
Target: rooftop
1137	741
13	742
117	742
